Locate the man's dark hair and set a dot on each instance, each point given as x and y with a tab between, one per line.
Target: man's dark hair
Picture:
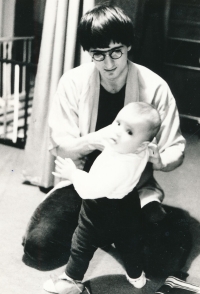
103	24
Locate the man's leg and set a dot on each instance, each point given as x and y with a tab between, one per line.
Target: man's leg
52	225
151	196
154	212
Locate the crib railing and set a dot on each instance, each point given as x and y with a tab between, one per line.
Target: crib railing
17	75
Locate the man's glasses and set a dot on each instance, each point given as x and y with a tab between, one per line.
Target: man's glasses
113	53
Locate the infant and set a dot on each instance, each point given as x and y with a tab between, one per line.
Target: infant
110	211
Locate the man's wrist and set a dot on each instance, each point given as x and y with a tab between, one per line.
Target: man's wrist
163	162
76	148
160	165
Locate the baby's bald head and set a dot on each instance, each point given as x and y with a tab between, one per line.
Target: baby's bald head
147	114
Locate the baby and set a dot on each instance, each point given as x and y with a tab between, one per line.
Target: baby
110	211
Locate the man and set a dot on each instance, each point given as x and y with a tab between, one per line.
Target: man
88	99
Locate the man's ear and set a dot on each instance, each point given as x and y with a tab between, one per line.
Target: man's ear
129	48
143	146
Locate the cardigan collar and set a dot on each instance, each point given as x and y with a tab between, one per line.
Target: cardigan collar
131	93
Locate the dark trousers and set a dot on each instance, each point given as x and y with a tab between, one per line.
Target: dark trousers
105	221
48	237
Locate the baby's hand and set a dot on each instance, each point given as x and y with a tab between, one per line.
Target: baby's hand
64	168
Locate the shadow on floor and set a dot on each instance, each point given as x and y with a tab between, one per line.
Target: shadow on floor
118	284
167	244
168	247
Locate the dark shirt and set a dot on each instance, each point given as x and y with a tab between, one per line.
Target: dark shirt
109	106
104	217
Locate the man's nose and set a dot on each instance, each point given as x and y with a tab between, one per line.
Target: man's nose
108	61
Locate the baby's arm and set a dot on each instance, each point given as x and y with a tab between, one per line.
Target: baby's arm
105	180
90	186
93	186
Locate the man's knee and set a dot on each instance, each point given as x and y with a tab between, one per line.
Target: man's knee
36	245
49	237
154	212
51	226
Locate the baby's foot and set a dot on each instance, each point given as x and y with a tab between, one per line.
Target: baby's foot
139	282
63	285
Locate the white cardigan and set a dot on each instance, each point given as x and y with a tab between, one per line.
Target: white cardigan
75	107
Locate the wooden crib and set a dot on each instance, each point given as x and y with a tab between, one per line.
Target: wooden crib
17	76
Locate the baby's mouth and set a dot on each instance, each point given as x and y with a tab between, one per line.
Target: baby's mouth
113	140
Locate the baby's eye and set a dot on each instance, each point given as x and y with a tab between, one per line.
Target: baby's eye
118	123
130	132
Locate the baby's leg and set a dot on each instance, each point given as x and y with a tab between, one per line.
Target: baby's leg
82	251
129	240
130	250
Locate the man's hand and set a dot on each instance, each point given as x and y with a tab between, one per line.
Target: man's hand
64	168
154	157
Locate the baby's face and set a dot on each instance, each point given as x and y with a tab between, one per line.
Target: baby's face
127	132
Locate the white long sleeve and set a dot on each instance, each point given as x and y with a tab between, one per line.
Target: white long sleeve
112	175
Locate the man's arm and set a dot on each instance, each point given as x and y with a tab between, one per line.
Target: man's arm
66	139
78	148
170	151
168	160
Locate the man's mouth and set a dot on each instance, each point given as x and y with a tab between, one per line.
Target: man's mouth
110	70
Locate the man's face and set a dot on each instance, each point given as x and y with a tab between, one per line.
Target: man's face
128	132
110	68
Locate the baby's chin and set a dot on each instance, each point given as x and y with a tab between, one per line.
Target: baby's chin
113	145
116	148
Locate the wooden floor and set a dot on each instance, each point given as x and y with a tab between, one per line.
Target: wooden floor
18	201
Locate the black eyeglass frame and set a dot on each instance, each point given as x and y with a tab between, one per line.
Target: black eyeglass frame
109	52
